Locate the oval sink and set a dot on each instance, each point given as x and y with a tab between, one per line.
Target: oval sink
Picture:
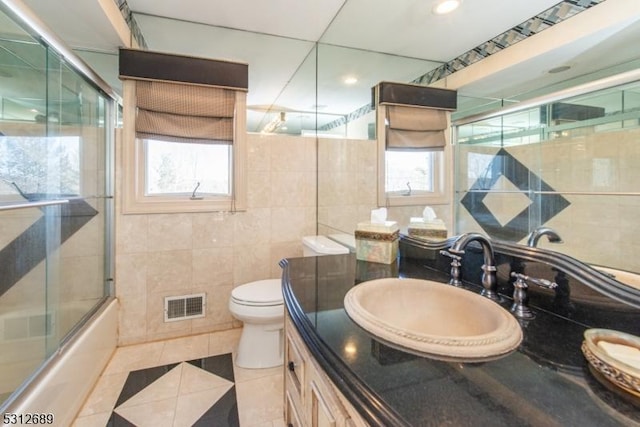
433	319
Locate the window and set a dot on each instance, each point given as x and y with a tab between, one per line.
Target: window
178	168
411	175
183	148
40	167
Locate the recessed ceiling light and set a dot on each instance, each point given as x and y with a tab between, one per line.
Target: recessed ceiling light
559	69
443	7
350	80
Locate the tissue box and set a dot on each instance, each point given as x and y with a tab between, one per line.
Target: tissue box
377	242
432	230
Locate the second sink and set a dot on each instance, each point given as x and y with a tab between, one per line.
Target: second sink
433	319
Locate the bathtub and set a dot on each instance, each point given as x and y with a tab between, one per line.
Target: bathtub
61	385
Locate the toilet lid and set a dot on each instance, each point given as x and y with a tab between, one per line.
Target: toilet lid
262	292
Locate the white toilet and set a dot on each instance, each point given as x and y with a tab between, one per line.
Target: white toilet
260	306
322	245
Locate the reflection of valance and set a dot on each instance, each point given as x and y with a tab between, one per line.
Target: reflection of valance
415	127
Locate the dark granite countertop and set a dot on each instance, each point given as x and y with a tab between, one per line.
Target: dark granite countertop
546	382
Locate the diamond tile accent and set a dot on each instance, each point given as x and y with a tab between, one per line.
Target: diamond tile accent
506	167
198	392
507	202
165	387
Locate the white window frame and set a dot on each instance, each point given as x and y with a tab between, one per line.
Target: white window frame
442	177
134	199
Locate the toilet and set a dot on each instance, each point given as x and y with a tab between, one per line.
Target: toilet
322	245
259	306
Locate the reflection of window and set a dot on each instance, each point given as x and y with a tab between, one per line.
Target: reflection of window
412	167
178	167
409	171
40	167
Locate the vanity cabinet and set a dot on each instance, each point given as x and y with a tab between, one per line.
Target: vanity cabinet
311	399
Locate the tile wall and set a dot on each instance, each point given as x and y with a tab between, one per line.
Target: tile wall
597	172
177	254
347	187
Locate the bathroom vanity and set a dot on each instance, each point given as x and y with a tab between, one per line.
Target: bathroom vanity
336	374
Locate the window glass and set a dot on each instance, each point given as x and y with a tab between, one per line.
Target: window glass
410	171
40	167
178	167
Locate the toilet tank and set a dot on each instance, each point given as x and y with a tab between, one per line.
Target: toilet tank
321	245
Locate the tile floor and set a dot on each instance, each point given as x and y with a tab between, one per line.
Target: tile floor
184	382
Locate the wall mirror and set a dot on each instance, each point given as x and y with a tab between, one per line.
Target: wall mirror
325	92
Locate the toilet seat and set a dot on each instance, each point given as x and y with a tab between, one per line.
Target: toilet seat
262	293
260	307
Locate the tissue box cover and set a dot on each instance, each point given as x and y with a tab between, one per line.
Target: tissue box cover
434	229
377	242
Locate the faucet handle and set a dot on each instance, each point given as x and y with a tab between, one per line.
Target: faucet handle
455	267
450	255
543	283
520	307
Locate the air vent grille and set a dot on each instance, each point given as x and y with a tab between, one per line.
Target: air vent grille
184	307
16	328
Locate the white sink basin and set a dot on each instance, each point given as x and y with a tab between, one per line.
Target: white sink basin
433	319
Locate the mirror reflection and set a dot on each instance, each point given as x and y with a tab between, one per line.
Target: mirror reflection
509	174
566	165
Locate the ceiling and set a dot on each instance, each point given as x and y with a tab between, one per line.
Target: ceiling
300	52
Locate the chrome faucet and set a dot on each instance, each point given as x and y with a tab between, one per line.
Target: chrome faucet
489	282
520	307
535	235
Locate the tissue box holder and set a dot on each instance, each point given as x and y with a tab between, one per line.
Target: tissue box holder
377	242
430	230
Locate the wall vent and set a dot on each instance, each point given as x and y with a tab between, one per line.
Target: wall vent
184	307
17	328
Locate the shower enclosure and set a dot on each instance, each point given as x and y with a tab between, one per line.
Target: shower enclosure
56	132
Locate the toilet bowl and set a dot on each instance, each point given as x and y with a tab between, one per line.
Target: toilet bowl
259	305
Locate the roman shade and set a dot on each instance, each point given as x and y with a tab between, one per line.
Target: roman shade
184	112
415	128
181	98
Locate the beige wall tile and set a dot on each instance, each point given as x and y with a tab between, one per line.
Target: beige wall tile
252	227
157	328
131	233
170	232
251	263
131	274
288	224
169	271
213	230
288	189
132	315
259	152
260	189
212	267
217	310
